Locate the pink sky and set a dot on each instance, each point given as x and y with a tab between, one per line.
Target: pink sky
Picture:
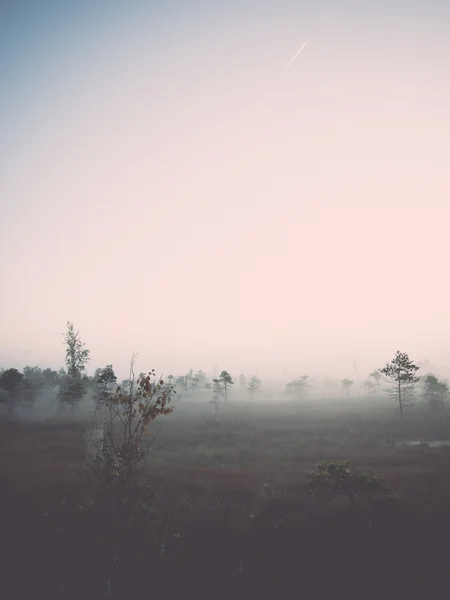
171	195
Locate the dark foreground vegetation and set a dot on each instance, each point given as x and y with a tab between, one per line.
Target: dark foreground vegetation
227	509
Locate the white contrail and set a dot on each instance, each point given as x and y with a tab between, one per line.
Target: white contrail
293	58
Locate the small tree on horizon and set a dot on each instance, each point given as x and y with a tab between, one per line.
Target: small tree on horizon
201	378
105	382
434	391
11	380
180	381
226	380
253	385
370	387
347	384
50	378
218	393
73	388
443	390
34	376
298	385
188	380
195	382
401	374
376	376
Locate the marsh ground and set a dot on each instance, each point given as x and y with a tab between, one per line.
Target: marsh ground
231	506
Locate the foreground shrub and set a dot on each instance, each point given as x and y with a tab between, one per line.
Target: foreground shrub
114	451
335	478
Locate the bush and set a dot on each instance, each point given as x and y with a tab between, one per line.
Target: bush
335	478
114	451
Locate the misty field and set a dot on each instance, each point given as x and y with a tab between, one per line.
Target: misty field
229	512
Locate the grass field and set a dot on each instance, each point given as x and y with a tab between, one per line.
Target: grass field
229	511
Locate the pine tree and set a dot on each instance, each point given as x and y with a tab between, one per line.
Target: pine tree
401	374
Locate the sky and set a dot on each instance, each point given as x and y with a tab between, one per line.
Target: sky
165	190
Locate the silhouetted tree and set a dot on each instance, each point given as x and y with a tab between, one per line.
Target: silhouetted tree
50	378
376	376
106	376
105	382
435	390
253	385
73	387
218	393
347	384
188	380
370	387
200	379
11	380
35	378
401	374
195	382
298	386
226	381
